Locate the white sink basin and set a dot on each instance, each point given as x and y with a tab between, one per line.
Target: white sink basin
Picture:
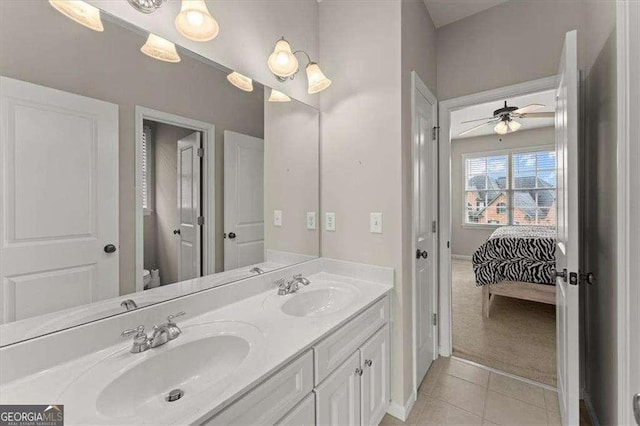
125	386
320	298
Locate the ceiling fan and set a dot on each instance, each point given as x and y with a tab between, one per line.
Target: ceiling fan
504	118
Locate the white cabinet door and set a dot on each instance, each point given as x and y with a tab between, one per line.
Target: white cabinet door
374	358
338	397
303	415
58	200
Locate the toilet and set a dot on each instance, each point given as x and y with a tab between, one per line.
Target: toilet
146	278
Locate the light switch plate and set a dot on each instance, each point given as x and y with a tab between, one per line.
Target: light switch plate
376	223
311	220
330	221
277	218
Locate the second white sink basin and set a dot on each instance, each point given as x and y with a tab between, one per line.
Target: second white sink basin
320	298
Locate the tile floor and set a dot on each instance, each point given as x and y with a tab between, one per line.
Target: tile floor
458	393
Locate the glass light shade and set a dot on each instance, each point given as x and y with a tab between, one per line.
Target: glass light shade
277	96
317	80
242	82
282	62
514	125
195	22
81	12
501	128
161	49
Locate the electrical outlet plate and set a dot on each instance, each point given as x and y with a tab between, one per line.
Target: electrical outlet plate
330	221
375	223
277	218
311	220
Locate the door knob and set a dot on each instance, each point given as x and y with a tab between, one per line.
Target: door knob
232	235
176	232
421	254
636	407
110	248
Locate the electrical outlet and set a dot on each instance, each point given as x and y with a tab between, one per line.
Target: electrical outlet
311	220
375	223
277	218
330	221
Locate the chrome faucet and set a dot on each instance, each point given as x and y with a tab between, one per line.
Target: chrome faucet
291	286
129	305
161	334
257	270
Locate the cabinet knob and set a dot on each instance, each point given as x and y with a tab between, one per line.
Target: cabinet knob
359	371
368	362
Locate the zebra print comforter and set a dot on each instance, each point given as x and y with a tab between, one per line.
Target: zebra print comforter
517	253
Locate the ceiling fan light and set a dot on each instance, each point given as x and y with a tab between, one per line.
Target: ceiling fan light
501	128
80	12
513	126
282	62
195	22
317	80
161	49
242	82
277	96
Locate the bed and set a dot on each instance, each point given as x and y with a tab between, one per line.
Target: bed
518	262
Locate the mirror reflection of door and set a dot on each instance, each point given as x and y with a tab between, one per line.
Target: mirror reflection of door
189	246
243	200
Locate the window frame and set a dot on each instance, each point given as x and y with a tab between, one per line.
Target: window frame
509	190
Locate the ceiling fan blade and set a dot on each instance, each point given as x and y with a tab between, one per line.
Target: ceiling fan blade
528	108
549	114
475	128
477	119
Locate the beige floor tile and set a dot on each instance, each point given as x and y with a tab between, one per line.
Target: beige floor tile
468	372
553	418
551	399
517	389
462	394
430	380
417	409
442	414
506	411
388	420
486	422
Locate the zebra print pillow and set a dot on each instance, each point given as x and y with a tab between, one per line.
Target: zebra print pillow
517	253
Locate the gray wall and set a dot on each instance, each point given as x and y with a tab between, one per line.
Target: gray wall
55	52
292	175
465	239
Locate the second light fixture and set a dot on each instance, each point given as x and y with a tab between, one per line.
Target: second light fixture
284	64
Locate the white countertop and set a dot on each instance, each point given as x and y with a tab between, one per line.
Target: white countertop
276	338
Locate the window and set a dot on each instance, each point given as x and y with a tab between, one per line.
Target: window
147	190
514	188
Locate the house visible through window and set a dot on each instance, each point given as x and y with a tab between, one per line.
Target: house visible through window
515	188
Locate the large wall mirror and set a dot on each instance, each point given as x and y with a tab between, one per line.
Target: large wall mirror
126	180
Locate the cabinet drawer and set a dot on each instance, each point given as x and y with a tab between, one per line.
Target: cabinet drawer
335	349
271	400
303	415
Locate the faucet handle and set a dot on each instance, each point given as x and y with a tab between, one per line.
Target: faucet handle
139	330
170	318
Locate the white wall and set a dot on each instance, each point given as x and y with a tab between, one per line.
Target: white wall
249	30
465	239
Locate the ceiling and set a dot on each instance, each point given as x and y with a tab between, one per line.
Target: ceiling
486	110
444	12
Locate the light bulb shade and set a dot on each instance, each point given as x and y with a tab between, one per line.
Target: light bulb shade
161	49
282	62
195	22
514	125
277	96
81	12
501	128
317	80
242	82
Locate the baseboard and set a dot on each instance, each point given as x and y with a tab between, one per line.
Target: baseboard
401	412
461	257
590	410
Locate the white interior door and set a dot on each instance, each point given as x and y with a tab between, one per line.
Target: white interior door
567	249
58	200
190	247
243	200
424	207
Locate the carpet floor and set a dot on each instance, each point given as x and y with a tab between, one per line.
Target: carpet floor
519	337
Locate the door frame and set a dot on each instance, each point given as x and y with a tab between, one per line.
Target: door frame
444	166
208	201
418	88
628	229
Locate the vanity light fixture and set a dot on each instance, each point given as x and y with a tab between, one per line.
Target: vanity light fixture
161	49
195	22
242	82
277	96
79	11
284	64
